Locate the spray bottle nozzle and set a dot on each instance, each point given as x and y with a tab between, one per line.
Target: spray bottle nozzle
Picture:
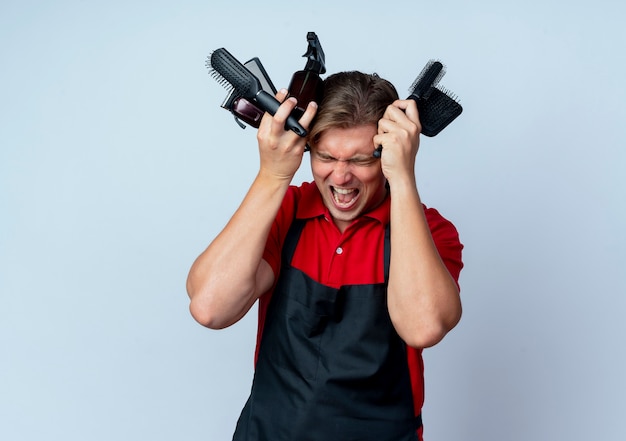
316	61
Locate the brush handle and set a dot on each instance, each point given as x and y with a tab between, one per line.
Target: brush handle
270	104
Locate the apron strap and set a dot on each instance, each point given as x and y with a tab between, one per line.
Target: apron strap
291	240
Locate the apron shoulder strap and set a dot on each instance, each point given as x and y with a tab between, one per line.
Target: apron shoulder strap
291	240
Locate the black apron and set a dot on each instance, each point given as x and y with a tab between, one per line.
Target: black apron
331	366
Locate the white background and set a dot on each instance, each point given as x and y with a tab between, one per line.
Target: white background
117	168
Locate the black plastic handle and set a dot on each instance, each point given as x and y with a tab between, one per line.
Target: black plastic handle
270	104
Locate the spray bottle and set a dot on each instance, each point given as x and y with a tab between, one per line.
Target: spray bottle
306	85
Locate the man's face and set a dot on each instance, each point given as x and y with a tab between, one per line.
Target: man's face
348	177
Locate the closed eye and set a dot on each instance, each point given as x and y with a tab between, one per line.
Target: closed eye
324	157
363	162
359	161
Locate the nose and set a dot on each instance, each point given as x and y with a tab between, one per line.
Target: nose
342	172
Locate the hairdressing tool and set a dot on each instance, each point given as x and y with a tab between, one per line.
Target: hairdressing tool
427	80
230	73
242	109
437	107
306	85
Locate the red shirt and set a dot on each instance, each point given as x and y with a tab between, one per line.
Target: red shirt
353	257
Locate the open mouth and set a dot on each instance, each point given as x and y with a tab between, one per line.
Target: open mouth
344	198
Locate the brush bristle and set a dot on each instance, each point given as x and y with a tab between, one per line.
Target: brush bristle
449	93
428	78
225	68
438	111
216	75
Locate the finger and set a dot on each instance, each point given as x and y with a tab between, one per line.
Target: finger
278	121
404	113
281	94
309	114
379	141
386	125
394	113
267	119
412	112
285	109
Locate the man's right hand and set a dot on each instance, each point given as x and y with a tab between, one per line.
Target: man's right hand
281	150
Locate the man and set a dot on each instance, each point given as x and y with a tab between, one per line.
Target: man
354	275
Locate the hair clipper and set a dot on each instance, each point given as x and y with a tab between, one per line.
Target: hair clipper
244	109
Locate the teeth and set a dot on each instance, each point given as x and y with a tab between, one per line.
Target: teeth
344	196
343	190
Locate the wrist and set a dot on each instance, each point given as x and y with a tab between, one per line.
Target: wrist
271	181
402	184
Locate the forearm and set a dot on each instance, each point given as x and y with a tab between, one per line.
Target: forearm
423	298
226	279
